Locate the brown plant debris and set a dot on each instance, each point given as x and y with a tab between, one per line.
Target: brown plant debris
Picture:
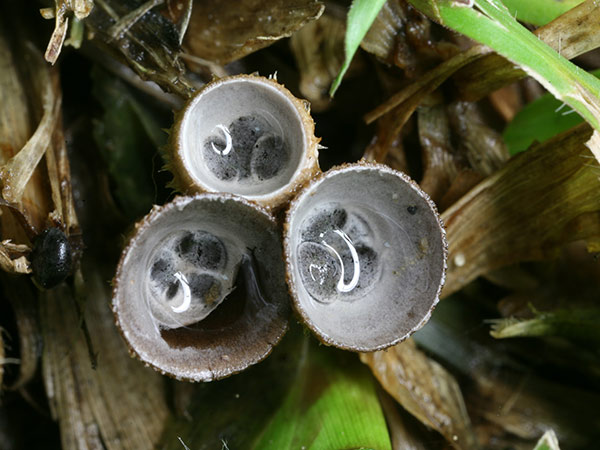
222	32
527	210
119	405
425	389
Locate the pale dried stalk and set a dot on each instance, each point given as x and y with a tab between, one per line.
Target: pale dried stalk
17	119
61	24
80	8
18	264
94	407
18	170
59	176
23	180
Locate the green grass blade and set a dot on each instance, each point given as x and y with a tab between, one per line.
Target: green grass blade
331	405
304	395
548	441
493	25
538	121
360	18
539	12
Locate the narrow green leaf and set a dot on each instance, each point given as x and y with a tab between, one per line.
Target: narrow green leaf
538	121
490	23
360	18
548	441
539	12
304	395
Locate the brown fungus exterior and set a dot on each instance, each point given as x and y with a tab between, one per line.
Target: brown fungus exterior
246	135
366	256
200	292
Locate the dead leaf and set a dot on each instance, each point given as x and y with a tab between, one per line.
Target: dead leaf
540	200
119	405
318	48
425	389
222	32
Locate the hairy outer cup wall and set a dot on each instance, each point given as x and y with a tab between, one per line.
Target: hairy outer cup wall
183	265
247	135
366	256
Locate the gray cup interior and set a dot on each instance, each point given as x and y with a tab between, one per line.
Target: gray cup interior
220	332
266	140
399	251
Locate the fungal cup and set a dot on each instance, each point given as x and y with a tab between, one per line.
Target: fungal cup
366	256
194	296
246	135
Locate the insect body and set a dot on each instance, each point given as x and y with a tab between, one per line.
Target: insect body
51	258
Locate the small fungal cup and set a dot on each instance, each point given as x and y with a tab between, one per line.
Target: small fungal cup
366	255
200	290
246	135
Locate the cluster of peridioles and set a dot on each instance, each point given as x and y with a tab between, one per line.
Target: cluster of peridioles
204	288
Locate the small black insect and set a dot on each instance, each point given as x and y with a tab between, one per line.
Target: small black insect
412	210
51	258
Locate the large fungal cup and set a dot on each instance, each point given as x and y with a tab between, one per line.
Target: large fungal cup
366	256
246	135
200	290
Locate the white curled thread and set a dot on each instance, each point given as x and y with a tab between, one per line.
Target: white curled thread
341	286
228	143
187	294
